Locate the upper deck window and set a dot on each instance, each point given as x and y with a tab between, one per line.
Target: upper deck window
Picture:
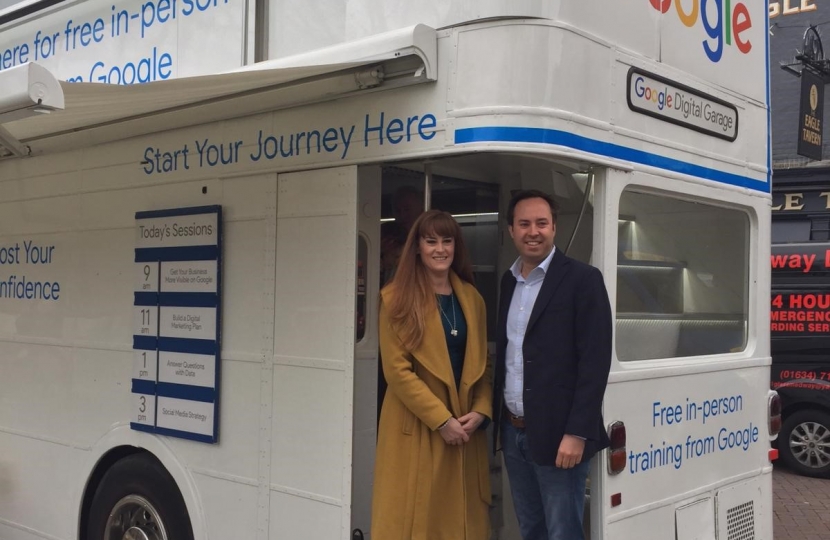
682	278
11	10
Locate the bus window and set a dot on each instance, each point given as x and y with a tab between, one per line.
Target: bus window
5	4
682	278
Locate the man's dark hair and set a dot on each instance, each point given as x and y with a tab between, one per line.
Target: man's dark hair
531	194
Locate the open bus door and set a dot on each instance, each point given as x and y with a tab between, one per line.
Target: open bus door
384	194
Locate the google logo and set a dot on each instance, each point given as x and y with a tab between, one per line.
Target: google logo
661	97
722	22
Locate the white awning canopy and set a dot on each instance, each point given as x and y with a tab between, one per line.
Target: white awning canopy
104	112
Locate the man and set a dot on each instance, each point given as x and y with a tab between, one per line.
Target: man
553	358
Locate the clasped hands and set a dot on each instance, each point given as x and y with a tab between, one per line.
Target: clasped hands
457	431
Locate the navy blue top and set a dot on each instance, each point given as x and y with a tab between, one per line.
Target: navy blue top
456	344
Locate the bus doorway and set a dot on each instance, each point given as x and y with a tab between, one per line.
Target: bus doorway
475	189
391	198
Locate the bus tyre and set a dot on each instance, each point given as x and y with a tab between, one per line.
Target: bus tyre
804	443
137	498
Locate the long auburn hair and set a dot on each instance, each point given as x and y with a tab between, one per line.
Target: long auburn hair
413	297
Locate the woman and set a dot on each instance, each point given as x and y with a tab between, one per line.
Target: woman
431	469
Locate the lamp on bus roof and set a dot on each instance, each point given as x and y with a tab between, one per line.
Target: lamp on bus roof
28	90
369	78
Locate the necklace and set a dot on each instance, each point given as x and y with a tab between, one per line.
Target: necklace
453	330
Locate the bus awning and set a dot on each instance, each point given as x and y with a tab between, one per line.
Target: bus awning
105	112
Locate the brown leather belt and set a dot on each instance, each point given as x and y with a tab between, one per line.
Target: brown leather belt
518	422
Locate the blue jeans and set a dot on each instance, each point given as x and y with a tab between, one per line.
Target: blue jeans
548	500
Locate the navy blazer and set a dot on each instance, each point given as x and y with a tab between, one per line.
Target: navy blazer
567	357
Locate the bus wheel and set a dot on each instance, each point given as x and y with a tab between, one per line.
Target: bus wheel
137	499
804	443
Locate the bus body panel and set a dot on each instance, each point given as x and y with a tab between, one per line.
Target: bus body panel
684	432
586	109
721	42
291	218
684	413
313	364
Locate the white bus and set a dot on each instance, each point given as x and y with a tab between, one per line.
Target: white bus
191	201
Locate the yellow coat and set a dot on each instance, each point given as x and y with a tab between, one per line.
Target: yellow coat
424	488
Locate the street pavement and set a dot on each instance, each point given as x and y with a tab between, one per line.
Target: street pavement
801	506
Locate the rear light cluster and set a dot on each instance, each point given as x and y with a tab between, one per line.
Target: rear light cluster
774	407
774	412
616	452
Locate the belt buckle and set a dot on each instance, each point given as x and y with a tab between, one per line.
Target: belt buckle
517	421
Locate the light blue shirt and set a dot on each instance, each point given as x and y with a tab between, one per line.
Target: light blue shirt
524	296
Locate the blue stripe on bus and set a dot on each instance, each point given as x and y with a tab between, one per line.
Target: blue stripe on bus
192	211
184	345
142	427
188	299
145	299
145	343
184	435
769	108
186	392
182	253
143	386
593	146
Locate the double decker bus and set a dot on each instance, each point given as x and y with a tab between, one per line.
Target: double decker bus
192	195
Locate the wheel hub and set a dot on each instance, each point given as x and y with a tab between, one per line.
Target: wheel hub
134	533
134	518
810	444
